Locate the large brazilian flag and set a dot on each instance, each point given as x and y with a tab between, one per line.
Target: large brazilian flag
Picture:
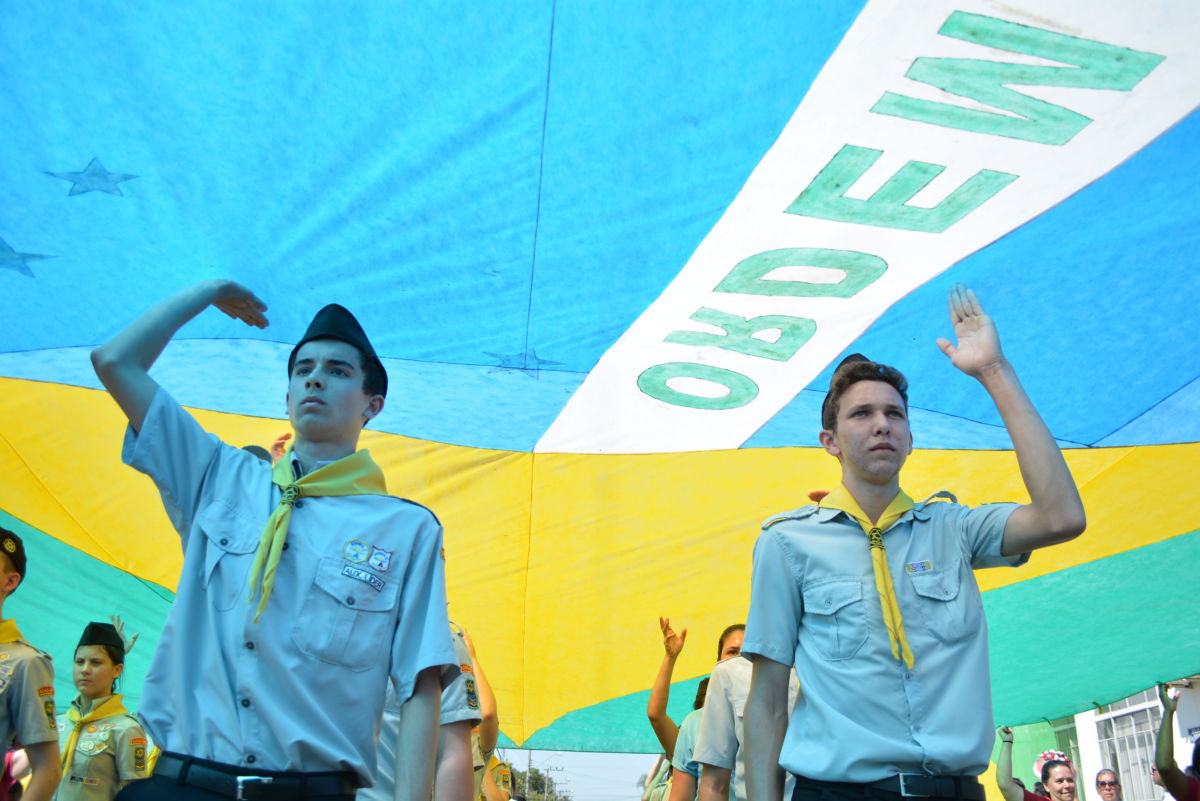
608	252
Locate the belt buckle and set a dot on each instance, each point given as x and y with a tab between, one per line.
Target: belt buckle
904	791
242	781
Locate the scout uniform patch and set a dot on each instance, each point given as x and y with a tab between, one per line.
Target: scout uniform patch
380	559
355	551
49	706
472	694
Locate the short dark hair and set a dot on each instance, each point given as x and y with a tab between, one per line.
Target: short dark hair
725	634
701	693
850	372
1051	764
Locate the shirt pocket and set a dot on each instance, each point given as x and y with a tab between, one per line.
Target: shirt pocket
348	616
835	617
950	612
230	538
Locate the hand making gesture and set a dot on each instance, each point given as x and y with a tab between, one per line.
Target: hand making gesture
978	349
672	642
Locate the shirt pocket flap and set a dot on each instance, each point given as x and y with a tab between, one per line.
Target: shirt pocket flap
228	529
355	586
827	597
938	585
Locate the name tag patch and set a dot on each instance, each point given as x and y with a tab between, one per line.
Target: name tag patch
919	567
365	576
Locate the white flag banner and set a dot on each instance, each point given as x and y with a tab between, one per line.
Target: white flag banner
933	130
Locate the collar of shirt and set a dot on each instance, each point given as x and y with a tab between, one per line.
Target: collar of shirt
841	499
9	631
298	469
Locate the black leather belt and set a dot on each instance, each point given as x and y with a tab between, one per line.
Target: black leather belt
245	783
919	785
910	785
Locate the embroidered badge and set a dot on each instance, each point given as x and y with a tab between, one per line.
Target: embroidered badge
355	551
139	755
365	576
919	567
138	741
91	728
380	559
7	669
9	545
44	691
466	668
49	707
472	695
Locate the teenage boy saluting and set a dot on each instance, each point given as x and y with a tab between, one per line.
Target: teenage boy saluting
305	586
874	600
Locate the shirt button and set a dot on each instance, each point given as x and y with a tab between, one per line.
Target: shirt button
285	546
250	646
349	602
224	540
250	759
245	702
298	504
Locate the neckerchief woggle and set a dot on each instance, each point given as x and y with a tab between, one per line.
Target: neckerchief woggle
356	474
841	499
108	708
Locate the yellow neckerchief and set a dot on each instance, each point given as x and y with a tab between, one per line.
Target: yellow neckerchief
356	474
841	499
105	709
9	631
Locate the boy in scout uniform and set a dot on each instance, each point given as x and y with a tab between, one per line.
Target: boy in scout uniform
305	586
26	685
873	598
106	746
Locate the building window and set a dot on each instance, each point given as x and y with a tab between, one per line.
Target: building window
1126	731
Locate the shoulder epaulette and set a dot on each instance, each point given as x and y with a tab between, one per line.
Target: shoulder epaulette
418	505
795	514
941	495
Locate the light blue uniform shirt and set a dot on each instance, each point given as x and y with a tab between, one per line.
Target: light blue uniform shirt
459	702
862	715
359	595
685	744
722	730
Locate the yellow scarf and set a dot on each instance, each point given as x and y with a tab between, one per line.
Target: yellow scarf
110	707
356	474
841	499
9	632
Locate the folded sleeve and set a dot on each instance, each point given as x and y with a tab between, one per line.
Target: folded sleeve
773	624
177	454
30	699
422	638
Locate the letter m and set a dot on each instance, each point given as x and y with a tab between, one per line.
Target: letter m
1095	65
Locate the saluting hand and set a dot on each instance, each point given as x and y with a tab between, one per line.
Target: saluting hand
978	348
240	303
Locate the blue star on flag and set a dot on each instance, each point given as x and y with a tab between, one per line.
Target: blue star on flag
94	178
527	362
18	262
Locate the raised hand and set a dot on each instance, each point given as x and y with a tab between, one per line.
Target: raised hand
978	348
672	642
240	303
120	627
1164	695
